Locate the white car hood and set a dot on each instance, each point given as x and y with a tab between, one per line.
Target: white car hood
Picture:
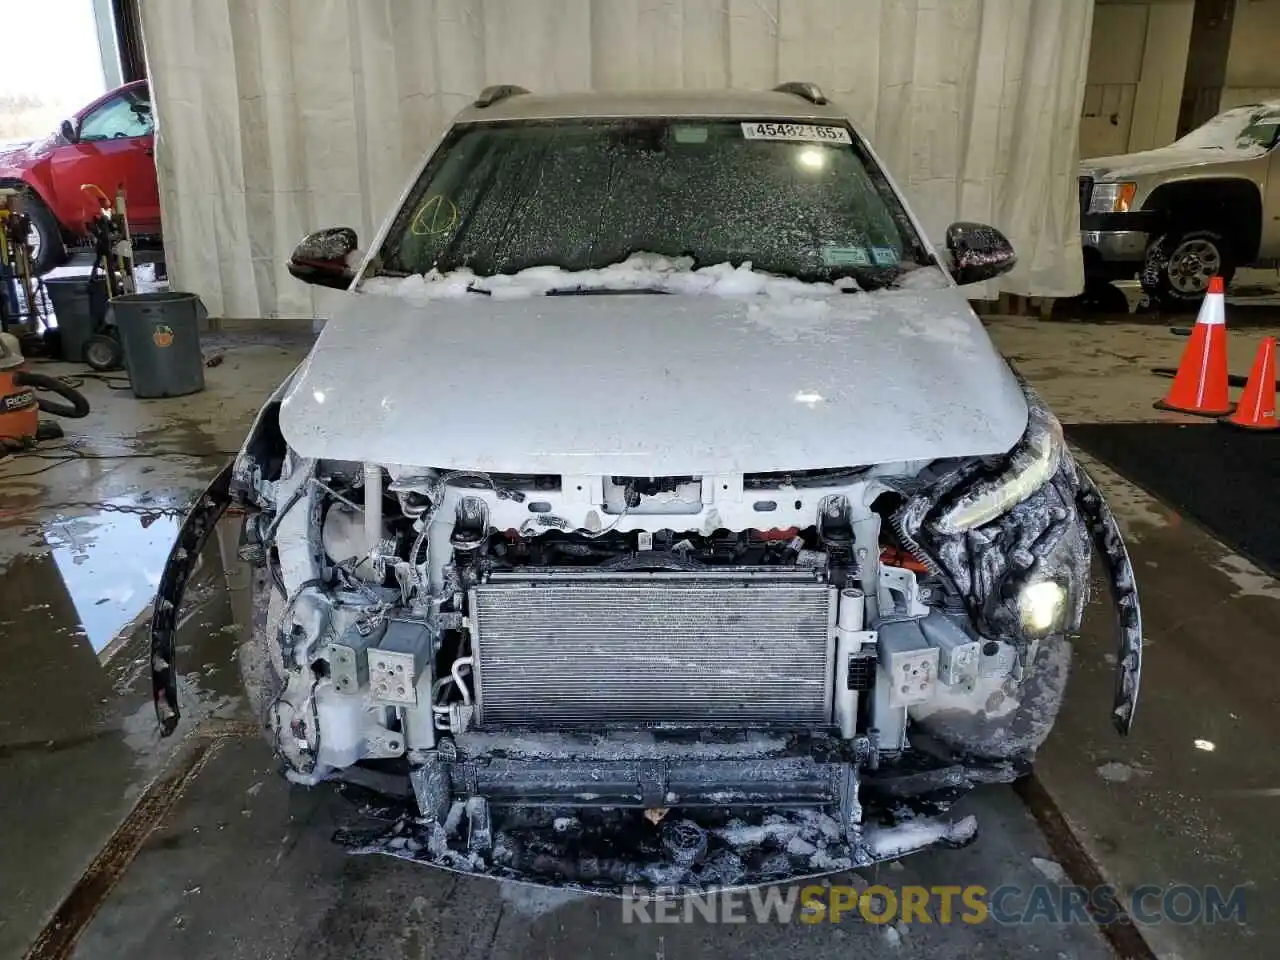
653	385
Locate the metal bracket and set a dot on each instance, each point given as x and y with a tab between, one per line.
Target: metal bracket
652	781
432	787
480	837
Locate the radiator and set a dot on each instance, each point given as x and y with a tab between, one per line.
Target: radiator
573	647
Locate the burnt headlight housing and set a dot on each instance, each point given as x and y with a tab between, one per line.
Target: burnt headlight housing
1007	534
1031	464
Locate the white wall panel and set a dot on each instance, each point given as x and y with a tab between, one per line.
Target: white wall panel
279	116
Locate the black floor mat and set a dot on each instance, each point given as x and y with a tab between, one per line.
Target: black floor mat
1227	480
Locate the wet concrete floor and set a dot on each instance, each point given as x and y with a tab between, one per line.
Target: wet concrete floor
240	865
78	739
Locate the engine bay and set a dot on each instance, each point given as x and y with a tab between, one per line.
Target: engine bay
798	651
414	606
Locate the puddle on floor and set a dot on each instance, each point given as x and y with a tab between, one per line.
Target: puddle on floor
110	564
79	741
75	631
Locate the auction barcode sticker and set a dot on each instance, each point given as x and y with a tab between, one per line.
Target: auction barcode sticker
795	131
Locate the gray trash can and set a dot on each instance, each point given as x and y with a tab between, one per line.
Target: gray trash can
160	334
80	304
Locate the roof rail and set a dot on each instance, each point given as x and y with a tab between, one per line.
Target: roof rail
491	95
805	90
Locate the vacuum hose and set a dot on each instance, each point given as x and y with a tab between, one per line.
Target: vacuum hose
75	407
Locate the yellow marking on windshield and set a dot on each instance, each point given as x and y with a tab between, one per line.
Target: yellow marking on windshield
436	216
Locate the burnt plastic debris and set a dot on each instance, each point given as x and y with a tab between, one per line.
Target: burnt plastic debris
617	852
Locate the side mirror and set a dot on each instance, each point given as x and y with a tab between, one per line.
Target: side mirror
322	258
68	131
978	252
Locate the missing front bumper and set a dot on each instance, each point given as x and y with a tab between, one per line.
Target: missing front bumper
622	852
658	811
644	769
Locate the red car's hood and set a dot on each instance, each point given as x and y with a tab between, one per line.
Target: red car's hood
24	153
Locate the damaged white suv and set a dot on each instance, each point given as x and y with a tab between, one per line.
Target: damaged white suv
655	510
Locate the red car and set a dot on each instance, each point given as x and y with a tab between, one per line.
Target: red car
108	144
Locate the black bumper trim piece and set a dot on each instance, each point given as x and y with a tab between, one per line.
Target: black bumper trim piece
195	533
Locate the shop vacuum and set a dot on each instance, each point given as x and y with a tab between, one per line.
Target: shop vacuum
20	407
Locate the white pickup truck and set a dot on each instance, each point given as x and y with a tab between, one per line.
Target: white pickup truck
1207	204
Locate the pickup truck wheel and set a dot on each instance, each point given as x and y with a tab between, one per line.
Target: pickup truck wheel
44	238
1179	265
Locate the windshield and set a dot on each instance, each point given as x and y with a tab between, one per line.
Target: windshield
797	200
1251	128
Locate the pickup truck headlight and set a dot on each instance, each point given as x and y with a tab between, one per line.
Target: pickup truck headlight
1112	197
1030	466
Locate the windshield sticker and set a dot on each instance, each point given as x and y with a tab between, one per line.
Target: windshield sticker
435	217
845	257
884	256
795	131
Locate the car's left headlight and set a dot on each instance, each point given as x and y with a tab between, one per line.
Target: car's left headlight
1112	197
1031	464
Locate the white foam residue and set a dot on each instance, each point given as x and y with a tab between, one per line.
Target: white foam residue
531	901
1248	579
739	834
620	745
640	272
1116	772
788	308
1052	870
888	842
824	861
926	278
454	816
799	847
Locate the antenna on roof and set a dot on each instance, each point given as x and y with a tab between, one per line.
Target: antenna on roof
491	95
803	89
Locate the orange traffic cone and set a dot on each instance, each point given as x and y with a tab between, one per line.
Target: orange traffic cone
1257	409
1200	386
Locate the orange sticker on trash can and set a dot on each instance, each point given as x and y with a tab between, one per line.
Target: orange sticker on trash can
163	336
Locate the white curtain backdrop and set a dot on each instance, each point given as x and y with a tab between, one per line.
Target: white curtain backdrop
276	117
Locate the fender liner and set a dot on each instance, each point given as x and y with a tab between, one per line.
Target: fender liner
196	530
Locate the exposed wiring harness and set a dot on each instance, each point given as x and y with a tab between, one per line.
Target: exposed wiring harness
433	488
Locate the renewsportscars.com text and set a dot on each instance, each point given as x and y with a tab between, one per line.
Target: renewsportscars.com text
1067	904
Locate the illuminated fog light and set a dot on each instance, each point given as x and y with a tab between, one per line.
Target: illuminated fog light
1041	607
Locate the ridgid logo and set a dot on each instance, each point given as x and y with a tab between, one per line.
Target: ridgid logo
943	905
17	401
